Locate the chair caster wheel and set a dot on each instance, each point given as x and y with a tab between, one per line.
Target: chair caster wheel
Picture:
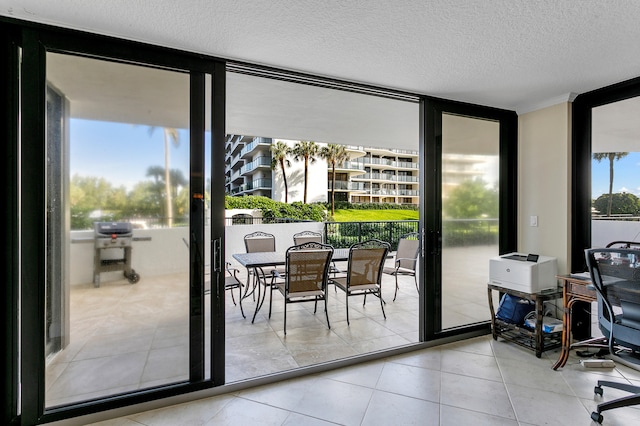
596	417
598	390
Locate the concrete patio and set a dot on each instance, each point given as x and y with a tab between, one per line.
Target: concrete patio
134	336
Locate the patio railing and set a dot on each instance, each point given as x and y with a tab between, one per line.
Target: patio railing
456	232
344	234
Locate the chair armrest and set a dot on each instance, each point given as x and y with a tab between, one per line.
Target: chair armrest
232	271
399	259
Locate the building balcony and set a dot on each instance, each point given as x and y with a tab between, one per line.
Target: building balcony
342	185
350	165
387	177
257	185
395	192
236	176
259	162
389	163
263	144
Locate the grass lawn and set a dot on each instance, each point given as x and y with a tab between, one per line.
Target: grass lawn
354	215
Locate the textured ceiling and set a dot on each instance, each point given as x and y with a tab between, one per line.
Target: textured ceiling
515	54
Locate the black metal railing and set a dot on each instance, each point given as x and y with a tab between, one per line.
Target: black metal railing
455	232
242	219
344	234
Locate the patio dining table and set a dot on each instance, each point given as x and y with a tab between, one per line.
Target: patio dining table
258	261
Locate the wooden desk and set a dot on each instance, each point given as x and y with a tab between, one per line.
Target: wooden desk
574	289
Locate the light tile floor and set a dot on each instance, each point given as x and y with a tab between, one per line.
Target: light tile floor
127	337
473	382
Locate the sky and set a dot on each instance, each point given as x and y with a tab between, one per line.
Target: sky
626	175
121	153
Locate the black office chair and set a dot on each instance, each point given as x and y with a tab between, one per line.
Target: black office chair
615	274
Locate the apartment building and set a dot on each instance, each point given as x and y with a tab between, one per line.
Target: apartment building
370	175
248	165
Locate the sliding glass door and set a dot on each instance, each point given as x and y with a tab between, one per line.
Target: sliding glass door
118	289
118	201
470	217
375	186
471	205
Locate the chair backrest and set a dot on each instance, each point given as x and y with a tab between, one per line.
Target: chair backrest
615	274
366	260
307	267
259	242
407	253
625	244
613	266
307	237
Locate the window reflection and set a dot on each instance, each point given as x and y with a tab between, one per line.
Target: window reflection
615	163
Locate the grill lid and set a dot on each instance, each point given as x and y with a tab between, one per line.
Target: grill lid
108	229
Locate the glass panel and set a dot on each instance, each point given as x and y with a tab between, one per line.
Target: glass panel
117	286
380	141
470	173
207	227
614	172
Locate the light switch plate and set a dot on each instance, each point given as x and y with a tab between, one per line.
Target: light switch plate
533	220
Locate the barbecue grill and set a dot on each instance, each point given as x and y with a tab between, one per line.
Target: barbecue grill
109	237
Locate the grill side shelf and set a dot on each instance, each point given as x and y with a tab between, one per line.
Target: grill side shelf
92	240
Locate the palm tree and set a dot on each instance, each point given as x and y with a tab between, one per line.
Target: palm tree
611	156
279	153
334	154
170	135
306	151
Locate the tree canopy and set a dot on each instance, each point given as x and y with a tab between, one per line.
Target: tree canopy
472	199
620	203
96	199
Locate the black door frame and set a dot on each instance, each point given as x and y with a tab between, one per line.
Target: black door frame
581	162
35	43
431	113
9	172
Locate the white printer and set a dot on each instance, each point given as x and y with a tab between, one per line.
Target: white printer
529	273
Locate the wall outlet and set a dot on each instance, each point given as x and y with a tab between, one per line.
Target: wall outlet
533	220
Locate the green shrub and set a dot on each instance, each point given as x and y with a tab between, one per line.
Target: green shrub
275	210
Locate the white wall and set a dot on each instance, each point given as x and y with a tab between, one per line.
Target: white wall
604	232
283	232
544	183
167	253
317	187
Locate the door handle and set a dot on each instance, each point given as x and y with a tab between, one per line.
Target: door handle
217	255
